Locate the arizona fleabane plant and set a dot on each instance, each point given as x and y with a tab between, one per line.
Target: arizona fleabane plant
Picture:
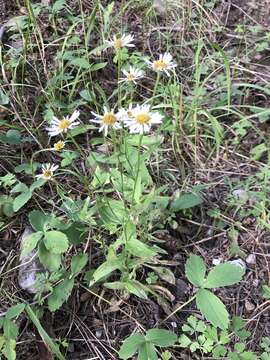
142	119
121	42
108	119
124	114
47	171
163	64
132	75
62	126
59	145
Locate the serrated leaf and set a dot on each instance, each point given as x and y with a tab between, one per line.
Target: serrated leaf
30	243
224	275
130	346
212	308
78	262
161	337
186	201
195	270
60	294
56	242
38	220
21	200
49	260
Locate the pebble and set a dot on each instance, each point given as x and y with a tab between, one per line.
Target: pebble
239	262
251	259
29	266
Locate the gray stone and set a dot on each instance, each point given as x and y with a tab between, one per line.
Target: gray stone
29	266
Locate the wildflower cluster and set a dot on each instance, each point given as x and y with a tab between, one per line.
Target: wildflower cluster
137	119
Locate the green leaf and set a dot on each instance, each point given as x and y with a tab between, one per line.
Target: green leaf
46	338
266	292
56	241
38	220
81	63
96	67
21	200
58	5
10	329
195	270
186	201
14	311
212	308
138	248
224	275
78	262
60	294
9	349
161	337
130	346
147	352
75	233
30	243
107	268
136	288
49	260
184	341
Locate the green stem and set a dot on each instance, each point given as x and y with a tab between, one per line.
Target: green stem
156	85
138	166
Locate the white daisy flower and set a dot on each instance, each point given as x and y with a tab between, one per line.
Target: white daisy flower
108	119
47	171
61	126
164	63
142	119
59	145
124	114
132	75
121	42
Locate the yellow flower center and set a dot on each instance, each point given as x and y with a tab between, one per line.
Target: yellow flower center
130	77
118	44
59	145
109	119
47	174
160	65
142	119
64	124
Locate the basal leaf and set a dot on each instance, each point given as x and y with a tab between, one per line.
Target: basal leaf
212	308
186	201
107	268
161	337
56	242
60	294
224	275
38	220
130	346
21	200
195	270
78	262
30	243
49	260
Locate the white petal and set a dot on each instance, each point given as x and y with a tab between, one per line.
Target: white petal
75	115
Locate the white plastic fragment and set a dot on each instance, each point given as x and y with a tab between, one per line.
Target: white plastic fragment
29	266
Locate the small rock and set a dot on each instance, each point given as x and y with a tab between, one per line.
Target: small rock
251	259
239	262
181	289
216	261
249	306
29	266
